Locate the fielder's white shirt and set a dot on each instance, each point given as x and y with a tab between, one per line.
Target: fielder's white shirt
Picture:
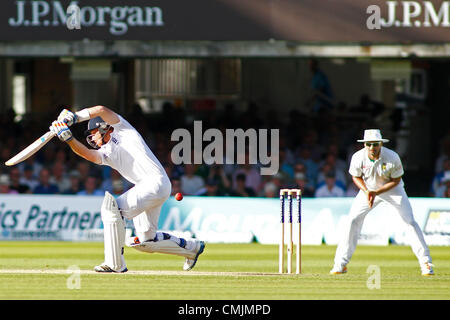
128	153
376	173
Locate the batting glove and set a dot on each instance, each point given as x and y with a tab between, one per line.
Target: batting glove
68	117
61	129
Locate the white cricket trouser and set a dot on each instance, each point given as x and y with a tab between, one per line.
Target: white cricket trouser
397	198
143	204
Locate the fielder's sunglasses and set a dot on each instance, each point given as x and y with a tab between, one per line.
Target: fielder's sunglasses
374	144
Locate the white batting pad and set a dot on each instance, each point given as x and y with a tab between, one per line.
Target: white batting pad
164	246
114	233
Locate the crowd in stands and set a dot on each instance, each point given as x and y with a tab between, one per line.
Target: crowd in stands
314	156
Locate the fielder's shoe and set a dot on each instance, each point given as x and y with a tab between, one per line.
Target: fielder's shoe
427	269
105	268
190	263
339	269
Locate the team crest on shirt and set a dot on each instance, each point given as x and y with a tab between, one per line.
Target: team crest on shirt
114	140
383	166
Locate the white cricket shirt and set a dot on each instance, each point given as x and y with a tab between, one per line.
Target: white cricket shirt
128	153
376	173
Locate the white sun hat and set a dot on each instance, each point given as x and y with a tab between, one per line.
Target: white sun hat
372	135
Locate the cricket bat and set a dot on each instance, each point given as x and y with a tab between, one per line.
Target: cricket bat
31	149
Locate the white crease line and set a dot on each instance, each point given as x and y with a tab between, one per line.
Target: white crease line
141	272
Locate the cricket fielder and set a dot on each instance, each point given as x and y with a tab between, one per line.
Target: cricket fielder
377	171
117	144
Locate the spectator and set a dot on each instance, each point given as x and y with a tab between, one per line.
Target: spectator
352	190
74	178
444	153
176	186
14	178
28	178
90	188
32	165
285	145
84	168
330	188
241	189
441	191
217	173
285	167
191	184
310	142
270	190
301	183
447	193
252	174
310	186
5	154
211	189
47	155
61	157
278	181
340	164
44	186
307	165
59	176
438	178
4	185
168	167
114	176
327	167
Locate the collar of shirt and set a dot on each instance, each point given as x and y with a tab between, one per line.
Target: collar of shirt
366	154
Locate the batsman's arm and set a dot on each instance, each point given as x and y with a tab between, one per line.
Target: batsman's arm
98	111
84	152
85	114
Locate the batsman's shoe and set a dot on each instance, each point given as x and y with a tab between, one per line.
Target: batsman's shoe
190	263
105	268
339	269
427	269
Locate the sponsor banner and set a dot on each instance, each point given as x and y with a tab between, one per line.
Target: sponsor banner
49	217
220	219
437	226
258	219
297	20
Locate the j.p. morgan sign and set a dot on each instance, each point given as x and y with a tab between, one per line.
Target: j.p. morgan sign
297	20
126	19
116	19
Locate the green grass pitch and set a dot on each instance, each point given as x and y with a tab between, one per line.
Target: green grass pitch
223	272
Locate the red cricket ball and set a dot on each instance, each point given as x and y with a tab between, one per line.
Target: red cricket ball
179	196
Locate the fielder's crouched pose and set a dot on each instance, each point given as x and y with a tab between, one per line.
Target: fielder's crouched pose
377	171
117	144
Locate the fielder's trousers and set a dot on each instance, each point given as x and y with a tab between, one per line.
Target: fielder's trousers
398	200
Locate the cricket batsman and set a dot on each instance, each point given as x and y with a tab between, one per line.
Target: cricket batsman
117	144
377	171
